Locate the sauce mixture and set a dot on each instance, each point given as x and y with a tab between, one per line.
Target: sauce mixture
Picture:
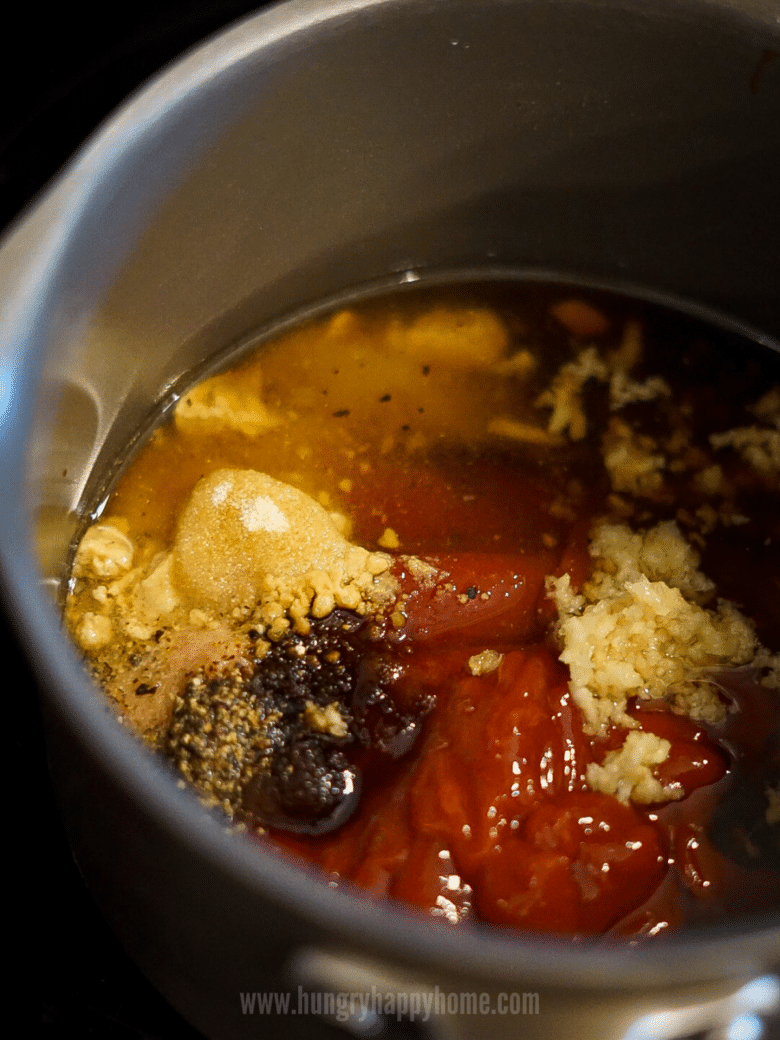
471	599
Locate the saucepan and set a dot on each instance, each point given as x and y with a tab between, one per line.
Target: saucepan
317	146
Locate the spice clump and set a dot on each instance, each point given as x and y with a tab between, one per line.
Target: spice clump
263	739
249	542
273	740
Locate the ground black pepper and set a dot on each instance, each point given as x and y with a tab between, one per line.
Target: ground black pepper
274	742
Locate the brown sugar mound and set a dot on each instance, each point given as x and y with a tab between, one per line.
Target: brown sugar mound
245	538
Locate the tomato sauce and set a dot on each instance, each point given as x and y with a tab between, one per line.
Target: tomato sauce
489	816
429	750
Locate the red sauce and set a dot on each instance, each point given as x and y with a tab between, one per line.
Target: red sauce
468	793
489	816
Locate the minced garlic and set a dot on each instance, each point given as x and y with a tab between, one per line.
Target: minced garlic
628	772
485	662
637	629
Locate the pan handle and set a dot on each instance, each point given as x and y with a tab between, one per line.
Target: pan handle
370	999
740	1014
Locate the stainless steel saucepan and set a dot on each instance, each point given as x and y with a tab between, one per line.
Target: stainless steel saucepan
320	145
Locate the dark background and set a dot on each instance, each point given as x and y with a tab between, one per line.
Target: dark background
66	67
